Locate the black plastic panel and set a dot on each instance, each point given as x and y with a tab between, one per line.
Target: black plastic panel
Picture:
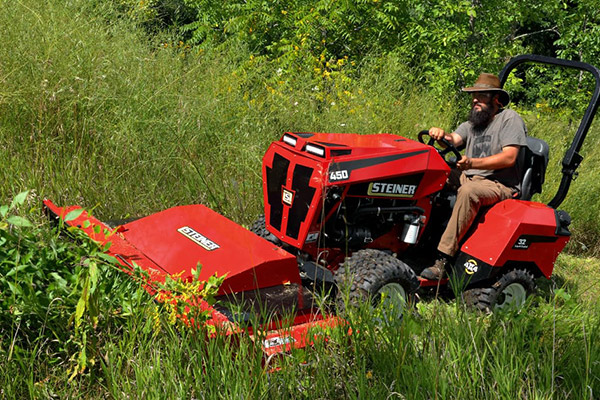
468	270
276	178
303	198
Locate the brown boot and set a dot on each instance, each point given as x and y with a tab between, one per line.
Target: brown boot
437	271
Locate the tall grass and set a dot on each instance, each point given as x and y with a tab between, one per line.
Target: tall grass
581	203
438	351
94	113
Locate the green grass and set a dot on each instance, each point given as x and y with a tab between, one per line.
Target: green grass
580	203
438	351
94	113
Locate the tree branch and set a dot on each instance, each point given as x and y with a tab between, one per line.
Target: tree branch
553	29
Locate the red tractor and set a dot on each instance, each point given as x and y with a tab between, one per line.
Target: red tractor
358	211
367	212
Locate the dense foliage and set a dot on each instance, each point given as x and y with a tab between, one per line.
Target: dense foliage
104	113
59	291
445	43
56	294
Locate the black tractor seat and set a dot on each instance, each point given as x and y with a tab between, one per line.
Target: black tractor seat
532	163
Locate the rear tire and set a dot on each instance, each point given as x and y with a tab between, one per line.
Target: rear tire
259	227
374	276
509	292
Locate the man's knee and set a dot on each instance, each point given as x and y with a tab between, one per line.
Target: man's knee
469	191
483	191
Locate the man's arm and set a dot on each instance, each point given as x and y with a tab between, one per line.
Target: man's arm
438	134
506	158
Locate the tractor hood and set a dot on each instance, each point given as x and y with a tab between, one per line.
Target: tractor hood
301	170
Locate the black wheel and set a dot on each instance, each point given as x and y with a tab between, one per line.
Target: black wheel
510	291
375	276
259	227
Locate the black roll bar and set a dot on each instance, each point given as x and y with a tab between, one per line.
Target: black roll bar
572	157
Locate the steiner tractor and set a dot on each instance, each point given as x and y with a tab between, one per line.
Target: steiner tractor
361	213
367	213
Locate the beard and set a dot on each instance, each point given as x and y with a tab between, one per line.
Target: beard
480	118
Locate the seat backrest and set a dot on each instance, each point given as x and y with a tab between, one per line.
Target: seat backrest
533	160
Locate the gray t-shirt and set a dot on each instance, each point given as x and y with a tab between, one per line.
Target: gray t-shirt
506	129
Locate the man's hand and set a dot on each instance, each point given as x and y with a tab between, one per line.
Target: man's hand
437	133
464	163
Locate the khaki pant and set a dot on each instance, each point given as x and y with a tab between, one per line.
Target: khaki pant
474	192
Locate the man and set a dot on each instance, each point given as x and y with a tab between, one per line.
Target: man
492	136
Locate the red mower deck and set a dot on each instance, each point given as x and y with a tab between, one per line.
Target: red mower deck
177	240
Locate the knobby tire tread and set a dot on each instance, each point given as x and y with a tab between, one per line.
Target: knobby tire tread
366	271
484	299
259	227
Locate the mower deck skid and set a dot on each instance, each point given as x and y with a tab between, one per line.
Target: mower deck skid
177	240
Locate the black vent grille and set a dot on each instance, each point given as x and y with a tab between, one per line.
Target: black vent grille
302	200
276	178
303	195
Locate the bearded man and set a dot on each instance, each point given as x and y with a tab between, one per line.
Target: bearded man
492	137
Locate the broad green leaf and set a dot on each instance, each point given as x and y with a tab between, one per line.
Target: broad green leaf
196	271
59	279
19	199
107	258
93	276
73	214
562	294
15	289
79	311
3	211
18	221
16	270
82	360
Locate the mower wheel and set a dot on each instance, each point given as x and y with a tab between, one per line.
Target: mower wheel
380	278
259	227
510	291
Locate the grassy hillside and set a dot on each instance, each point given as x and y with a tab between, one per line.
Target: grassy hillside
94	112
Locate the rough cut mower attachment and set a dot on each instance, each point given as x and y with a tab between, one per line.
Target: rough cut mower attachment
179	239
